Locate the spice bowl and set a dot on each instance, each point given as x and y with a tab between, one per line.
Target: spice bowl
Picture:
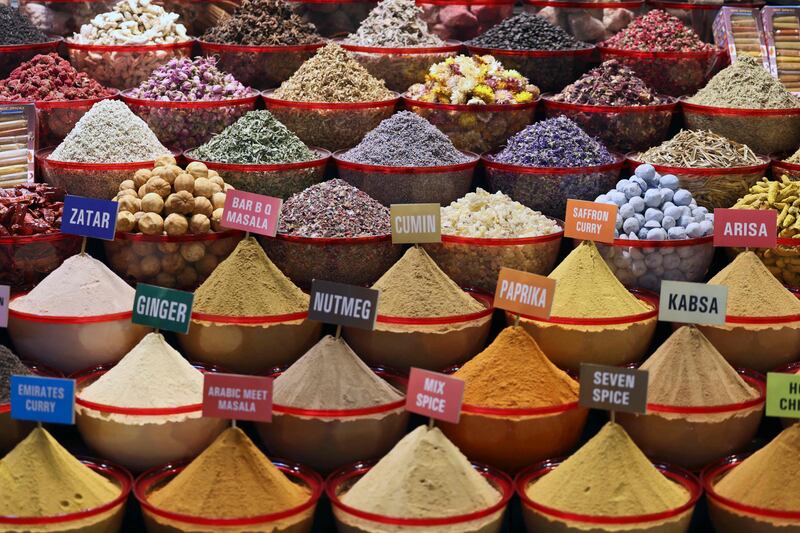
351	260
764	130
295	520
550	70
62	18
106	518
400	68
430	342
351	520
280	180
25	260
736	517
350	434
781	168
181	125
334	19
440	184
699	17
463	20
568	342
179	262
141	438
693	437
12	431
249	345
332	126
476	262
713	187
476	128
587	21
124	66
783	260
540	518
13	55
548	189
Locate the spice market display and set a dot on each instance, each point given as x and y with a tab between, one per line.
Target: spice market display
399	266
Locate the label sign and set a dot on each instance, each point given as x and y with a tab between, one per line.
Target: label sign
416	223
524	293
237	397
613	388
692	303
783	395
590	221
43	399
5	297
162	308
746	228
251	212
344	305
434	395
89	217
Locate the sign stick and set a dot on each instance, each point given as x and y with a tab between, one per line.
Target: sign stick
233	423
430	423
338	331
516	320
83	246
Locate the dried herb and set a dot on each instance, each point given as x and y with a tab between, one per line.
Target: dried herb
526	31
658	31
16	29
700	149
9	365
263	23
612	83
394	23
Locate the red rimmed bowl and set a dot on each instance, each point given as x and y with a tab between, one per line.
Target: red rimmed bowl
251	344
585	20
179	262
400	68
548	189
670	73
351	260
13	55
783	260
12	431
351	520
462	20
431	343
181	125
439	184
349	434
622	128
693	436
295	520
568	342
475	128
781	167
25	260
334	18
333	126
550	70
791	368
712	187
699	17
124	66
280	180
106	518
540	518
476	262
734	517
764	130
141	438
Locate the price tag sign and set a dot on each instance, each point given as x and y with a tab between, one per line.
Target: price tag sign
524	293
43	399
746	228
613	388
237	397
251	212
590	221
783	395
434	395
342	304
89	217
692	303
416	223
5	297
162	308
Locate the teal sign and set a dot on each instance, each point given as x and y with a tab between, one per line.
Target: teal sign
162	308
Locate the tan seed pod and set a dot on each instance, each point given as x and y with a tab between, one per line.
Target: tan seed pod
165	160
187	277
199	224
151	224
172	263
165	279
132	204
184	182
197	169
152	203
141	176
159	186
202	206
150	265
125	221
127	184
218	200
193	251
176	225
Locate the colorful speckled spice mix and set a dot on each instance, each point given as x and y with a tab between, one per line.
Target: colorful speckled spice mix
48	78
610	84
658	31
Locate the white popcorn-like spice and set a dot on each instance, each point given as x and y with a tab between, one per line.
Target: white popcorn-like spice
133	22
494	216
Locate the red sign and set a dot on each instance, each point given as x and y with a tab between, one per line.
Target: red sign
746	228
435	395
237	397
252	212
590	221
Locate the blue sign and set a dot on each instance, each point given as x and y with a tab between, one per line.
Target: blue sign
43	399
89	217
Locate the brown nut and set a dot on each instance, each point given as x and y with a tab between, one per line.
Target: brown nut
152	203
218	200
216	219
172	263
131	204
200	224
207	264
180	202
165	160
197	169
166	173
127	192
159	186
202	206
203	187
187	277
151	224
165	279
150	266
141	176
127	184
175	225
216	179
142	191
125	221
184	182
169	247
193	251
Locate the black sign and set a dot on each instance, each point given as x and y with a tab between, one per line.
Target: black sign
613	388
345	305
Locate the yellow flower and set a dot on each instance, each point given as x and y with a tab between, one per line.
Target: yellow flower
484	92
523	97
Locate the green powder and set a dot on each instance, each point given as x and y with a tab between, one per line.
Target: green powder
745	85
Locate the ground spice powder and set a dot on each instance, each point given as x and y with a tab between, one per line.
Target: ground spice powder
513	372
416	287
40	478
247	283
608	476
230	479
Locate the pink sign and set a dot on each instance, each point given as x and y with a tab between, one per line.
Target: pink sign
746	228
252	212
237	397
435	395
5	296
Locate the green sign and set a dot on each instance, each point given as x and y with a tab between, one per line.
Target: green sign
162	308
783	395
